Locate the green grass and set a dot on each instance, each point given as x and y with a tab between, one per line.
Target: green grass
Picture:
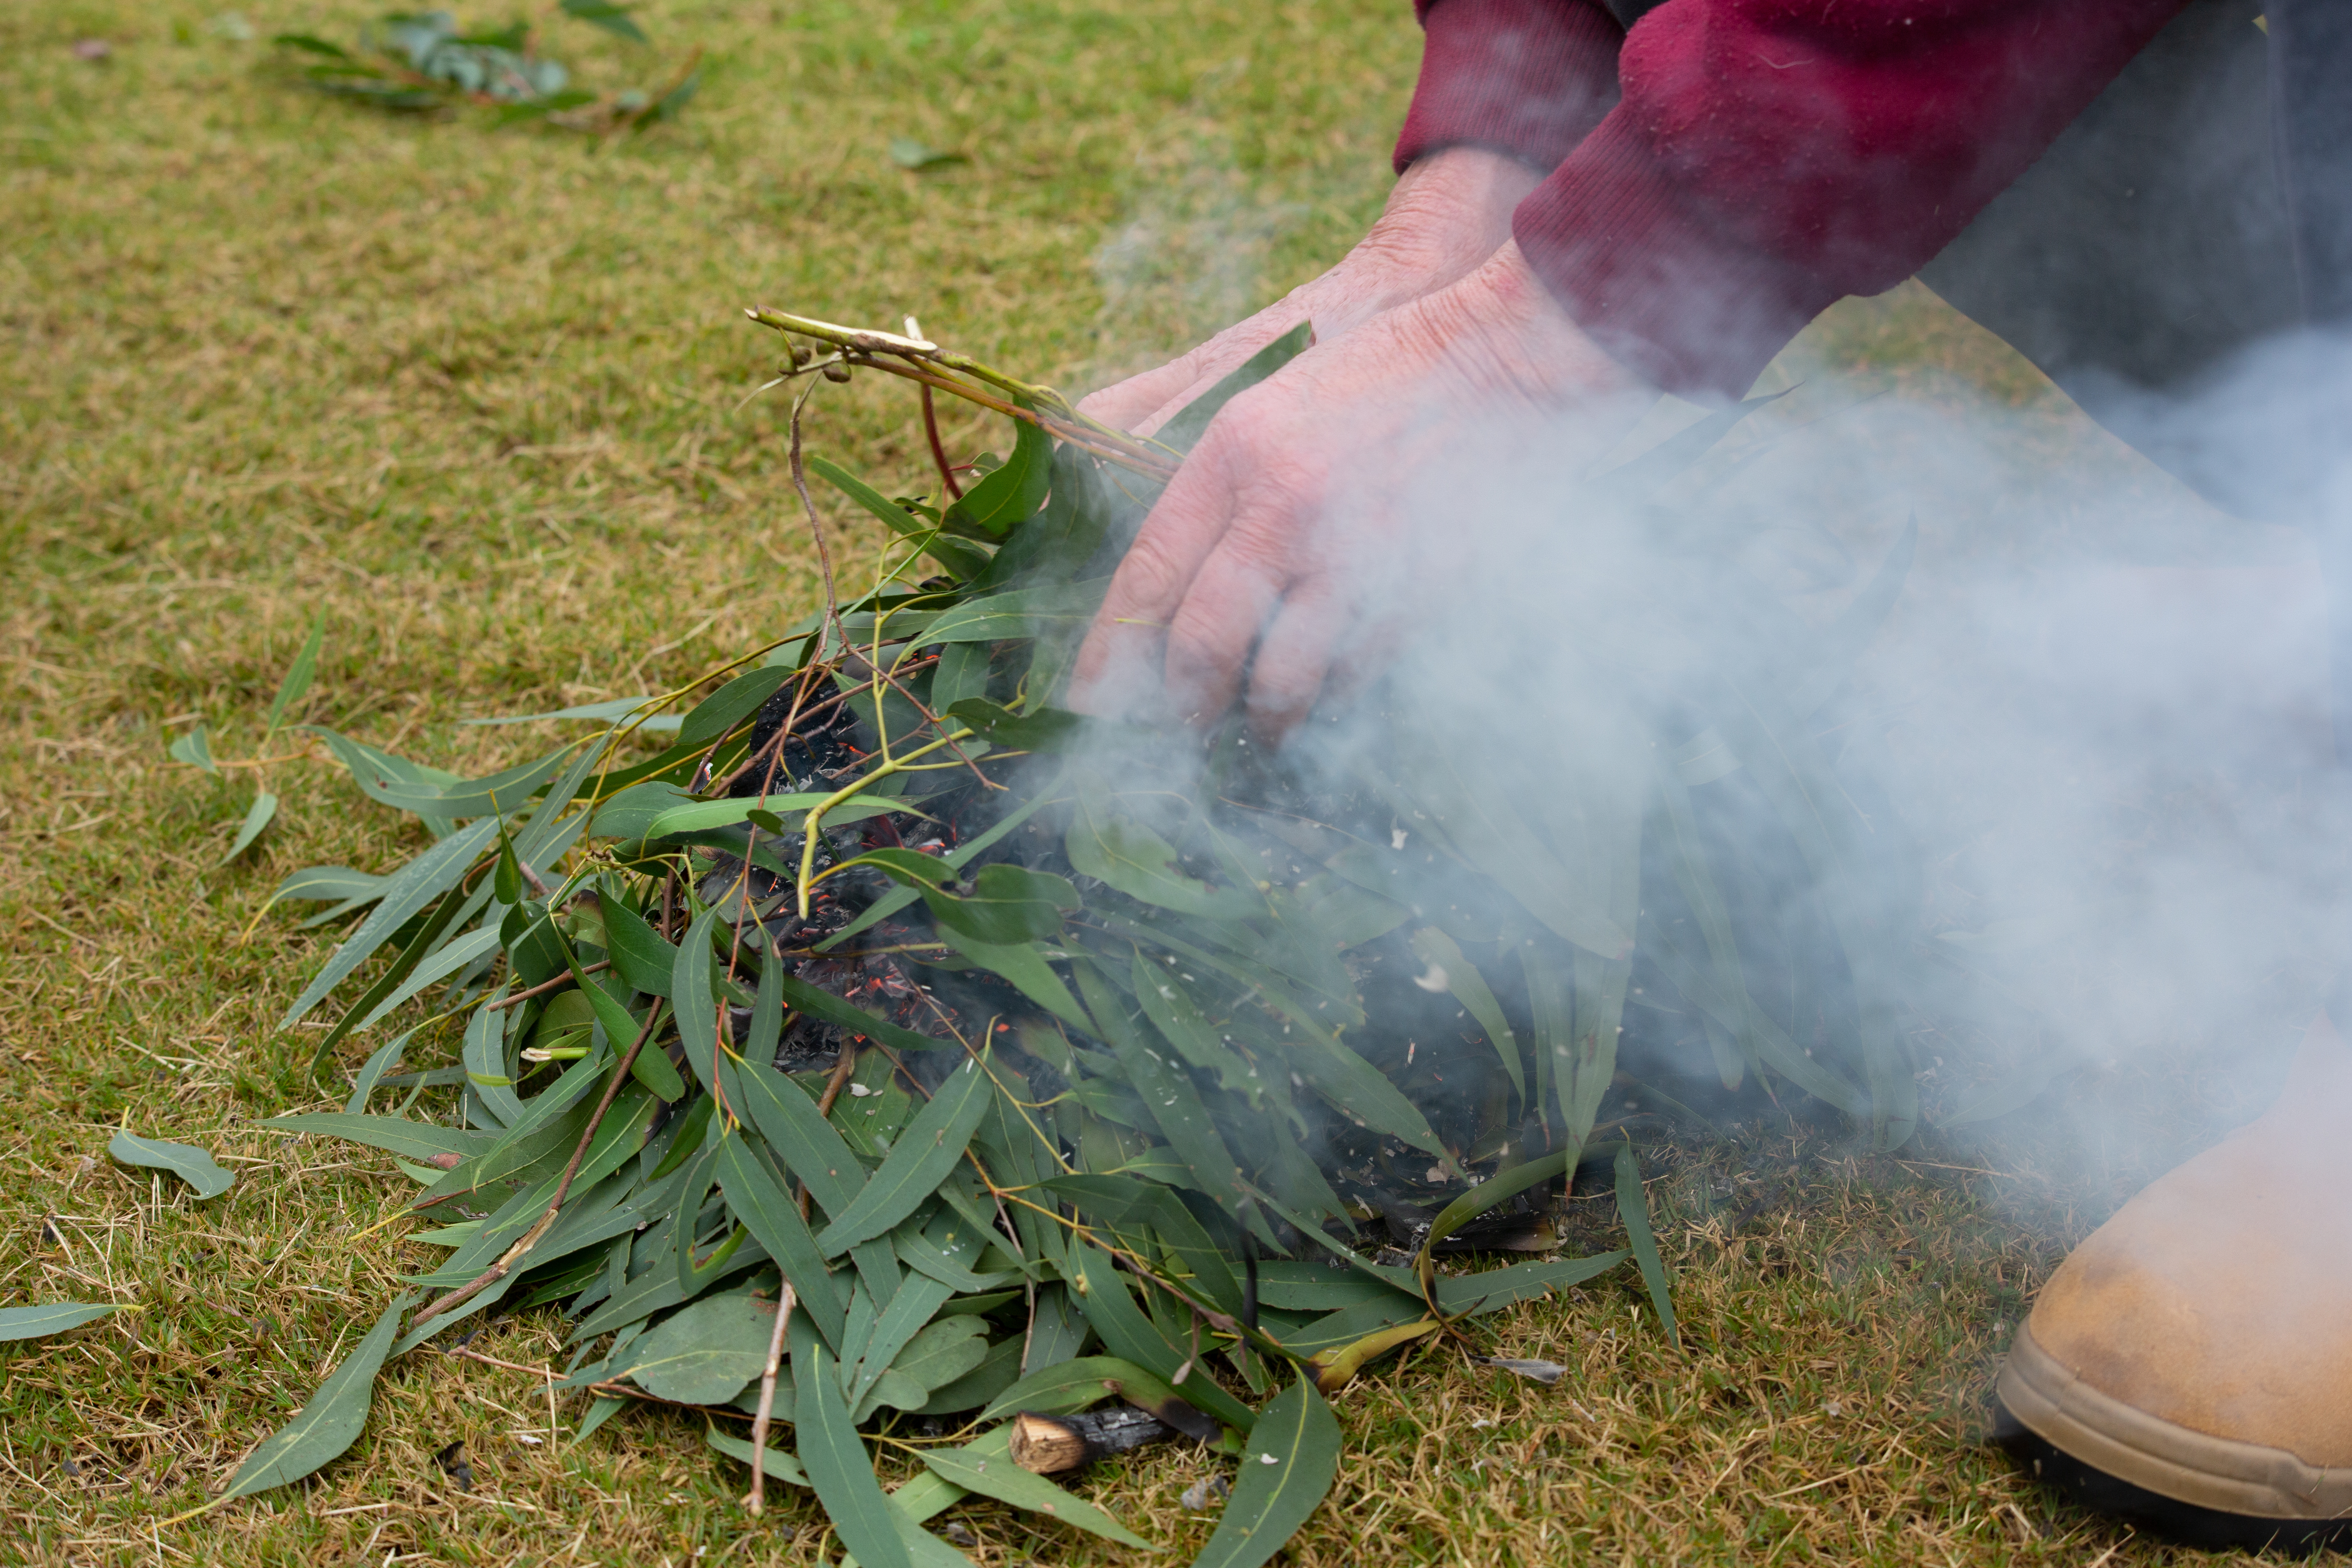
479	400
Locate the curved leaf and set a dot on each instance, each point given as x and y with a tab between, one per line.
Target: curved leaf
1008	1483
704	1352
48	1317
837	1464
917	1164
1288	1468
192	1165
330	1423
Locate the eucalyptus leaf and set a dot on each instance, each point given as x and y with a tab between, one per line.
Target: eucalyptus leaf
38	1322
1287	1469
192	1165
330	1423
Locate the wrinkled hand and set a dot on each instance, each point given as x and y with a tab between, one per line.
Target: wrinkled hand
1323	505
1447	214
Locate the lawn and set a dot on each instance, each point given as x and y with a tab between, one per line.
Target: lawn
479	399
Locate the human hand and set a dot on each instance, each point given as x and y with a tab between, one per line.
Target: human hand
1447	214
1303	516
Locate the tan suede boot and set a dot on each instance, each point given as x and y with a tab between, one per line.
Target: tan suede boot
2198	1347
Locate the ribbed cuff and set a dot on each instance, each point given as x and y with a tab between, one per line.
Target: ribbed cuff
1689	307
1530	78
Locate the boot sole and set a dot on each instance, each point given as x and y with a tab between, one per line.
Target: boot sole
2258	1493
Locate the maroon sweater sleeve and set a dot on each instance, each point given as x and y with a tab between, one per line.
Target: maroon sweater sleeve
1770	156
1530	78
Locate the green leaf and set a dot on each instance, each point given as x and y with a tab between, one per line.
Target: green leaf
1186	426
807	1143
380	1061
614	20
1288	1466
497	793
941	1352
1168	1092
330	1423
768	1211
1008	1483
1634	1210
1140	863
1000	1364
732	703
895	518
918	1299
690	816
1012	493
824	1004
1496	1189
1460	978
780	1466
704	1352
409	890
40	1321
694	998
962	855
1039	730
1007	904
257	817
909	153
452	958
312	45
378	774
617	709
1174	1012
1470	1295
1016	613
192	1165
638	953
928	1148
837	1465
1025	967
195	748
1068	1386
297	678
652	1066
1312	1287
329	884
907	867
416	1139
1358	1090
1129	1334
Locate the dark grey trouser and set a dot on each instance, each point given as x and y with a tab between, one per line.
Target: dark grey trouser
2199	207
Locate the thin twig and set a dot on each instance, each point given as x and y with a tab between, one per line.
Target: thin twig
939	449
816	525
515	1254
758	1501
544	986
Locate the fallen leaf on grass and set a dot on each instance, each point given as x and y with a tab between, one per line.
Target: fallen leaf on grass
909	153
48	1317
192	1165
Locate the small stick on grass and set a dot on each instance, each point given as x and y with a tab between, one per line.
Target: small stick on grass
758	1501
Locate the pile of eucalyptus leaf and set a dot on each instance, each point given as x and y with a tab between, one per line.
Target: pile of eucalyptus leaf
1029	1061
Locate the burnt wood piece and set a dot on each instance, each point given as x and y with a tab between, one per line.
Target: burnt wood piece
1048	1444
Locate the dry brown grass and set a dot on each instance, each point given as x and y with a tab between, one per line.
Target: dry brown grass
475	398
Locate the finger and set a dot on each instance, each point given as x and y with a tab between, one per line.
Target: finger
1237	593
1294	660
1118	666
